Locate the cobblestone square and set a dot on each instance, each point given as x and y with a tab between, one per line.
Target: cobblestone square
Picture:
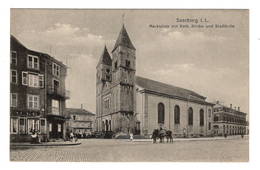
111	150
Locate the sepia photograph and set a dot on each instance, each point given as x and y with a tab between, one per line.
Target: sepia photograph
129	85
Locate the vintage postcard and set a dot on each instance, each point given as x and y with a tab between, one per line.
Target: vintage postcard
129	85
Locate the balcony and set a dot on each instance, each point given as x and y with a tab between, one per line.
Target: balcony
58	92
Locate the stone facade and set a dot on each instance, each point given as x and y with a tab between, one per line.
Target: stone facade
126	102
115	86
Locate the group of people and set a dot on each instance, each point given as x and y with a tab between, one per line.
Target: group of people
35	137
73	137
161	134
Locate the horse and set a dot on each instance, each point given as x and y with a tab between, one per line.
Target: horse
155	135
169	136
162	134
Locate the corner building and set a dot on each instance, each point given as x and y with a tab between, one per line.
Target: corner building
126	102
229	120
37	94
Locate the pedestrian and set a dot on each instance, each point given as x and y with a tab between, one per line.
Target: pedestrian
131	136
34	137
242	135
71	136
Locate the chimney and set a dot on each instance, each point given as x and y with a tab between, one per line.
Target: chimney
235	108
230	106
81	106
217	102
238	108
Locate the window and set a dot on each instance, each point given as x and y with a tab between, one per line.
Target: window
56	85
33	125
33	80
74	117
43	127
190	116
22	126
161	113
59	127
24	78
13	99
50	127
209	113
33	62
13	57
107	77
107	103
55	69
42	122
127	63
215	118
41	81
115	65
177	114
55	107
33	101
14	125
201	117
209	125
13	76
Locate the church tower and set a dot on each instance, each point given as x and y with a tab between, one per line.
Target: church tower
103	81
123	82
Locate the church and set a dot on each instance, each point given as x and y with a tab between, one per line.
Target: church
127	103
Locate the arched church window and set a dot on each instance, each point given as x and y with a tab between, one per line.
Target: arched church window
190	116
160	113
177	114
201	117
127	63
115	65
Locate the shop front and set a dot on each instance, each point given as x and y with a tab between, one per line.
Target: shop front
56	126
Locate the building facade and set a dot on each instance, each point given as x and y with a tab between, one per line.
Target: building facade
37	93
80	120
126	102
229	120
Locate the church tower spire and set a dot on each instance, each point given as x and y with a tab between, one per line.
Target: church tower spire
123	40
105	58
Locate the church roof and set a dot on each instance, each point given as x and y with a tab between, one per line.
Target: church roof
169	90
105	58
123	39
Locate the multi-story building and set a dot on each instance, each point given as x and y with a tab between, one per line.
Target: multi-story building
228	120
80	120
37	93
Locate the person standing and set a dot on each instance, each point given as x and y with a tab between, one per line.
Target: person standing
131	136
71	136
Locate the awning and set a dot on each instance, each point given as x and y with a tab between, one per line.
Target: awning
55	117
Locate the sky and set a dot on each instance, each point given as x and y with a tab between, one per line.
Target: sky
213	62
